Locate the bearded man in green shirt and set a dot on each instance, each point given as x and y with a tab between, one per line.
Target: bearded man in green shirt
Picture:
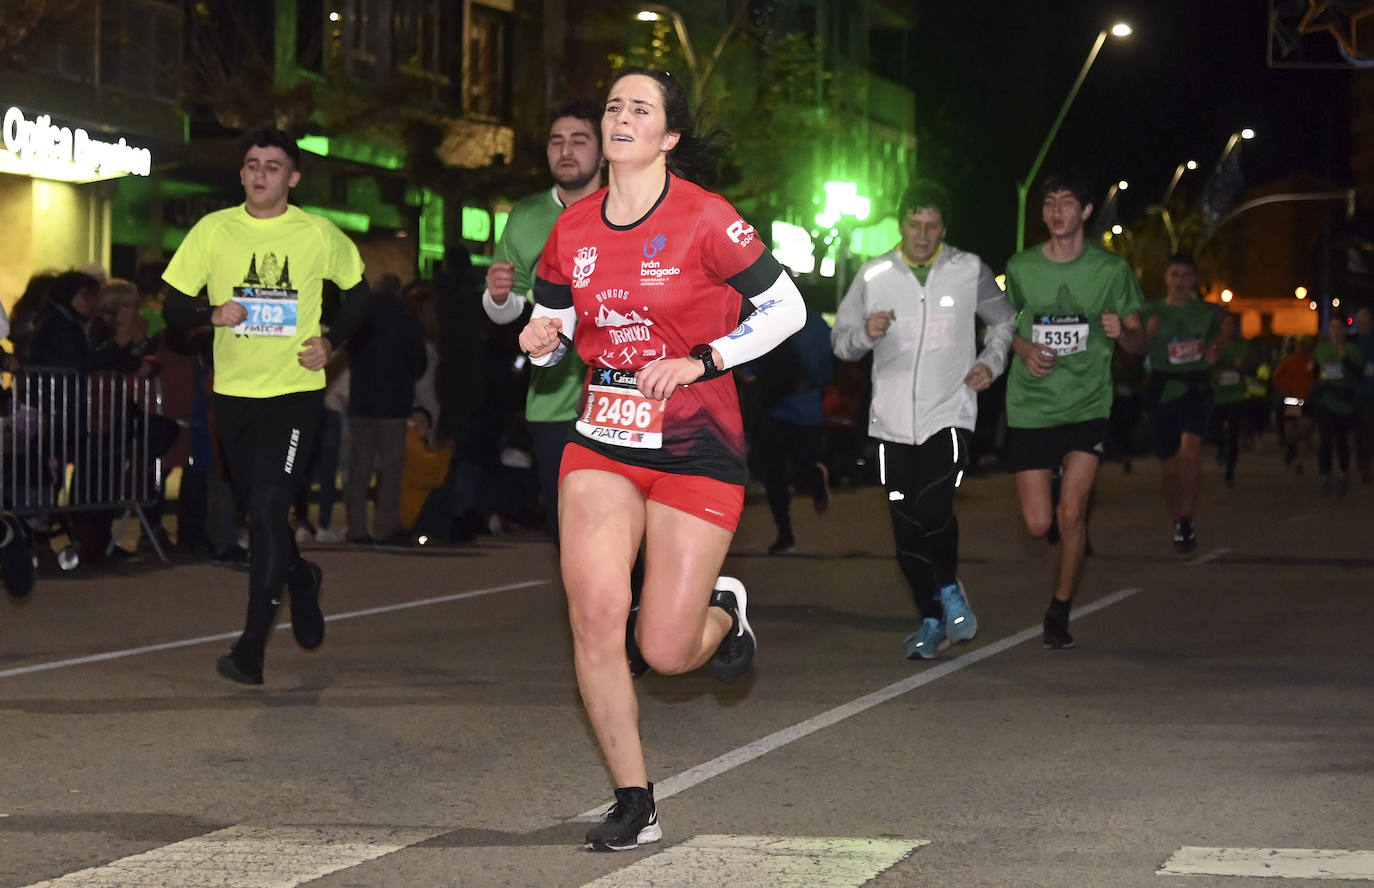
551	406
1074	301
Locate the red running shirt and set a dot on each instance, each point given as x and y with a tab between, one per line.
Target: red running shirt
648	291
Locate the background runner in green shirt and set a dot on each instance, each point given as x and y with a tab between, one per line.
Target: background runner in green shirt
1340	366
555	393
1181	330
1235	361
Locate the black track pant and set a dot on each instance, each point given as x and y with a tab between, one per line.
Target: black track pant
266	444
920	481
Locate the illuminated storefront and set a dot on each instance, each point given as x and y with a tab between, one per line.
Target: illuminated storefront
57	180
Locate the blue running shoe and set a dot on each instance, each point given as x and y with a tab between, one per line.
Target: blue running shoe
960	620
927	642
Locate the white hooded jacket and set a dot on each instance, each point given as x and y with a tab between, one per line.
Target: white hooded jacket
919	365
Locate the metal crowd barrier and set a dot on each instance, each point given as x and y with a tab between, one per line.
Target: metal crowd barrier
81	442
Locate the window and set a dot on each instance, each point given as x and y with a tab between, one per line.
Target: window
486	84
421	44
311	26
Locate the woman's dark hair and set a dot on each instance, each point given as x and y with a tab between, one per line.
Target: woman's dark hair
696	157
1183	259
67	284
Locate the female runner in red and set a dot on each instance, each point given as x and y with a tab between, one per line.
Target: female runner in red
646	279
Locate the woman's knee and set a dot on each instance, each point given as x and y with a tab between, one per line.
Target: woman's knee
667	655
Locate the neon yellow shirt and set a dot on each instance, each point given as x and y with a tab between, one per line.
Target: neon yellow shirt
276	269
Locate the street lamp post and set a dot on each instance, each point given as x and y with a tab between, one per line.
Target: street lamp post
1120	29
651	12
1236	138
1173	182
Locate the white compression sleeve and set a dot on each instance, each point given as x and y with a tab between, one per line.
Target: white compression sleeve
779	312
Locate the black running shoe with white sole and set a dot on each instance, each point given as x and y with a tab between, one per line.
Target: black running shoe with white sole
737	648
632	821
1056	627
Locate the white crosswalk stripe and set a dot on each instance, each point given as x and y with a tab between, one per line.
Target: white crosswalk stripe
1278	863
772	861
248	857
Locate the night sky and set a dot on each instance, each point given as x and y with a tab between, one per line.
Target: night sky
992	75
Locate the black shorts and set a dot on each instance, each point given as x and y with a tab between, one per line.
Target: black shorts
1186	414
268	440
1032	449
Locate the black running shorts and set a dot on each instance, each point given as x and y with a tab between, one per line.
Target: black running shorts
1032	449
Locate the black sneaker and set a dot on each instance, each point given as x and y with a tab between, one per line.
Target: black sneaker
737	648
307	620
632	821
1185	537
638	665
783	545
1057	635
17	562
243	663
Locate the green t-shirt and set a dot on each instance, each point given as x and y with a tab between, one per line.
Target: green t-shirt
1179	346
1061	304
276	268
555	392
1338	376
1234	362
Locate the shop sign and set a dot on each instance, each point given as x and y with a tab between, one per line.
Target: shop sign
46	150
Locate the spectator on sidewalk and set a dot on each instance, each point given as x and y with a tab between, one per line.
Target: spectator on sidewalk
387	356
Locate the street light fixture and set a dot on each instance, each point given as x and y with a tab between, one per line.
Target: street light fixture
1237	137
652	12
1173	182
1118	30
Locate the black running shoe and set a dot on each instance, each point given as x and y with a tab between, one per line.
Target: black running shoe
307	620
632	821
737	648
16	556
1185	537
1057	635
243	663
638	665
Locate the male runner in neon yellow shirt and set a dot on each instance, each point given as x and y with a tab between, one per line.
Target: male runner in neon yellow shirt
263	265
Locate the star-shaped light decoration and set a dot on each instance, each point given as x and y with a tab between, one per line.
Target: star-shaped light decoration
1341	18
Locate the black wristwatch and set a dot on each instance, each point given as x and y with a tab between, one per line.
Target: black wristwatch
703	354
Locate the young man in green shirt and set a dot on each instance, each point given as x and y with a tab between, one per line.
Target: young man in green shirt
263	265
1074	302
1340	367
555	392
1181	329
1235	362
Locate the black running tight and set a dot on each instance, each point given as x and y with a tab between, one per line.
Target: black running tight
920	481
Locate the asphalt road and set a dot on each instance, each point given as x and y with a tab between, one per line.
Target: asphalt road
1219	700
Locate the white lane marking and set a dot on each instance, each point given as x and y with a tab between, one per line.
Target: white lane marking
1279	863
778	862
223	636
248	857
1210	556
778	739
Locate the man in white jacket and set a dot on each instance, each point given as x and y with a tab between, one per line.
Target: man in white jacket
915	308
